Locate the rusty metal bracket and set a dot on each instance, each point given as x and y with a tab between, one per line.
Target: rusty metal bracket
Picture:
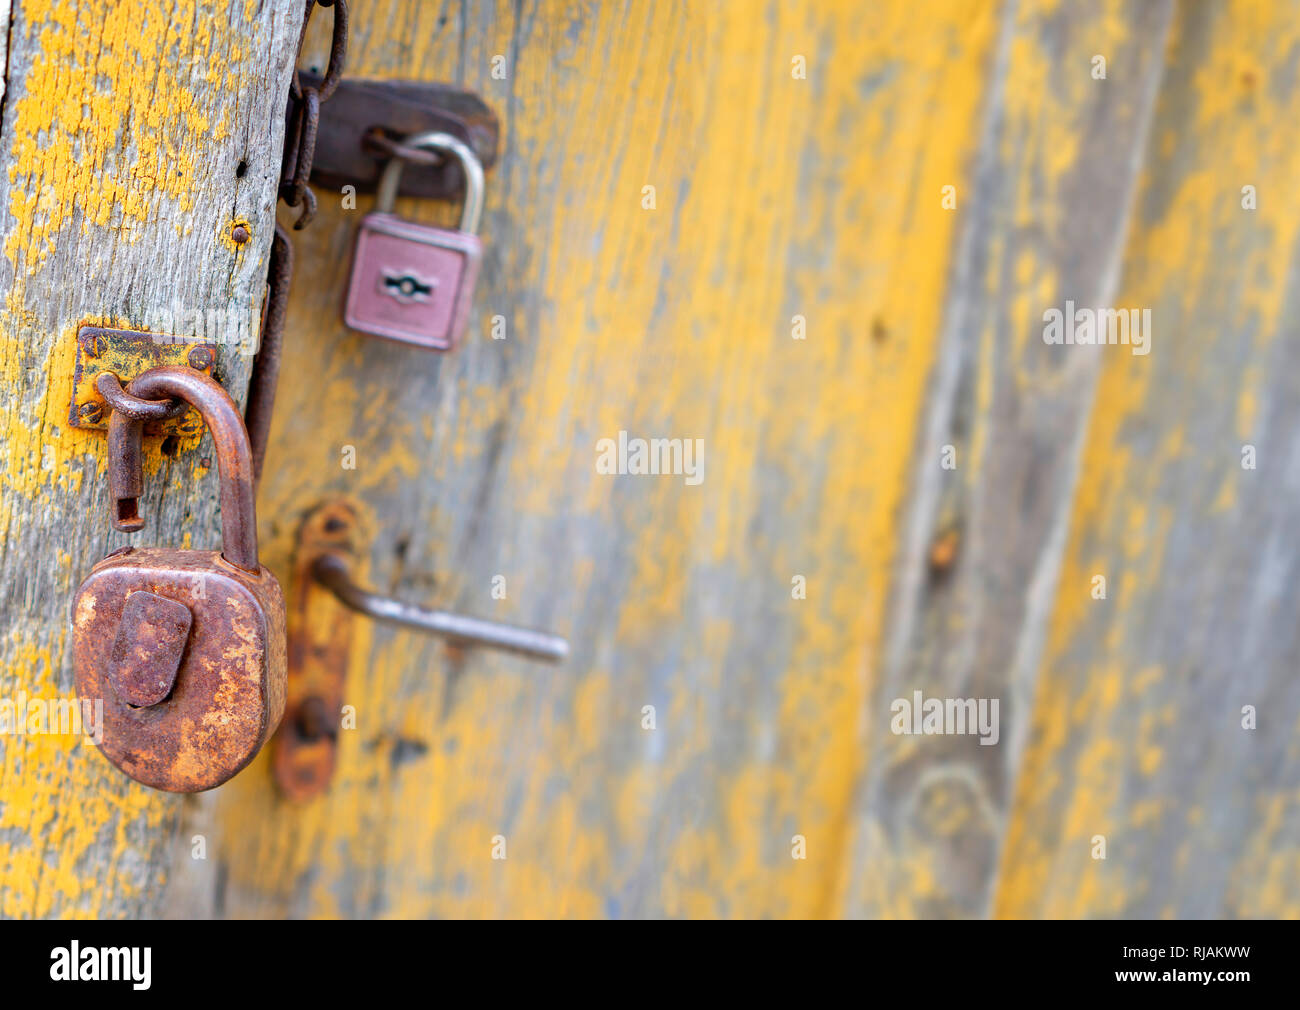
128	353
320	641
396	109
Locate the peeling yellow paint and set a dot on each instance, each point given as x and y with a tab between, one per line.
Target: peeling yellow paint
637	326
100	130
1088	748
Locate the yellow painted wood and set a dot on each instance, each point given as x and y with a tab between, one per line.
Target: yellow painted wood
123	124
980	537
774	197
1137	731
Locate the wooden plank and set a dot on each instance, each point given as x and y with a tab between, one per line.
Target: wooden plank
1138	727
776	196
135	134
983	531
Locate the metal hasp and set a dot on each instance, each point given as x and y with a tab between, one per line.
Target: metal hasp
323	598
364	118
319	630
234	459
124	354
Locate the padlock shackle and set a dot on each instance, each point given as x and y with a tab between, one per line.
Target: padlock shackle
446	143
234	459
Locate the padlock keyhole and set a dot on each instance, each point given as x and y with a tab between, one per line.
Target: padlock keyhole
407	287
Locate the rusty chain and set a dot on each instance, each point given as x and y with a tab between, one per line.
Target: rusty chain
295	174
300	142
266	370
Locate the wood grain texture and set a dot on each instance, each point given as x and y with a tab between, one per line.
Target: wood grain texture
1046	218
775	196
124	126
1138	727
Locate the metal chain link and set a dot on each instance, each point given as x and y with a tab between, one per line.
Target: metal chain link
300	143
295	174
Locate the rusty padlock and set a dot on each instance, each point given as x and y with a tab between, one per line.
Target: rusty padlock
186	648
415	282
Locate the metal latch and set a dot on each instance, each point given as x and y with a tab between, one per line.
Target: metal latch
323	597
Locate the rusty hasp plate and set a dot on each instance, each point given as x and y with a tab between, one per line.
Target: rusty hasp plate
304	749
128	353
359	109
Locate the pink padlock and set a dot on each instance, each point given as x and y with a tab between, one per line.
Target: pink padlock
414	282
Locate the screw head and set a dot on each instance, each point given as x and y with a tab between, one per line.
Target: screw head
313	720
200	358
90	412
239	234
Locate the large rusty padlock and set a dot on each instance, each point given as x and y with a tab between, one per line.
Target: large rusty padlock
414	282
186	648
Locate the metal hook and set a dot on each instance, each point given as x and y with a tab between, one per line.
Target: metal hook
322	599
332	572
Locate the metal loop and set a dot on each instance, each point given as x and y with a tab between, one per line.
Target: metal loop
469	163
338	49
380	143
234	459
295	85
308	210
306	125
122	402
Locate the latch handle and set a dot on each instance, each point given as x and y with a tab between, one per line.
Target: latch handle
331	571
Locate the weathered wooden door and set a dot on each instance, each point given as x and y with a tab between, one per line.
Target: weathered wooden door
821	239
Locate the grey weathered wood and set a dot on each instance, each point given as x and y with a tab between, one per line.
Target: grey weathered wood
156	247
1201	553
1015	409
443	466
